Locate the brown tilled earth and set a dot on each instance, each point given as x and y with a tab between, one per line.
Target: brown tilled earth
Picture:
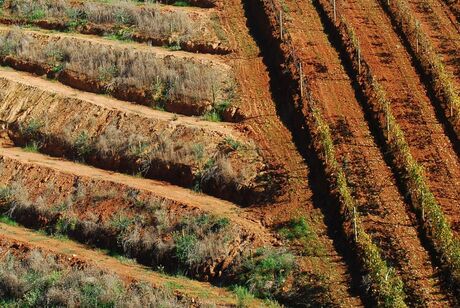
260	172
385	213
275	139
411	105
443	30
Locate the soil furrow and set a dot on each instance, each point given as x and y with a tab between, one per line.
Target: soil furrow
444	33
391	64
314	140
265	119
383	208
454	6
341	167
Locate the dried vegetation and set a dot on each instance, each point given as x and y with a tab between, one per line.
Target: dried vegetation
185	154
145	227
125	20
184	84
34	279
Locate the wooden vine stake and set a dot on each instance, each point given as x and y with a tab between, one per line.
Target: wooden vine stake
335	11
213	95
301	80
387	114
423	207
423	213
359	59
355	229
281	25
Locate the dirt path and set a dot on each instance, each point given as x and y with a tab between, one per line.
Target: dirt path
438	24
266	126
204	292
110	103
411	105
383	209
162	189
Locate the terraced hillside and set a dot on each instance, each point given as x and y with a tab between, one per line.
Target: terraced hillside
37	254
230	153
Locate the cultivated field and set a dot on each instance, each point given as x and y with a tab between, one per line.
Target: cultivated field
230	153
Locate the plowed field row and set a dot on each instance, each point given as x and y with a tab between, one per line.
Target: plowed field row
384	210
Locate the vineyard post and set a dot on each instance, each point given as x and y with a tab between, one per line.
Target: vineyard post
387	114
301	80
335	11
281	24
359	59
355	231
213	95
422	204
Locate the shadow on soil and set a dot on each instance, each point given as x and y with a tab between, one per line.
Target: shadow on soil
291	113
379	138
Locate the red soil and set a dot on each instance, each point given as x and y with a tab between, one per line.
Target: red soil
438	24
411	105
276	141
386	215
383	209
